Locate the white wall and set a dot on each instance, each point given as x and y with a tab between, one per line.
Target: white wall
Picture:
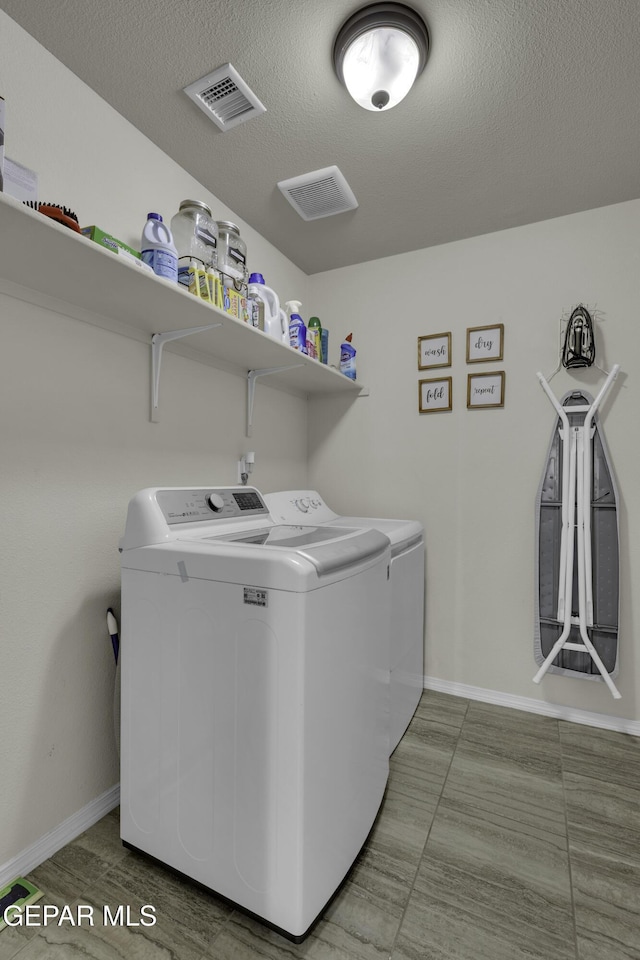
76	443
471	476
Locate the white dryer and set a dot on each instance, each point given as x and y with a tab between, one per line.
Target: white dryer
254	697
407	593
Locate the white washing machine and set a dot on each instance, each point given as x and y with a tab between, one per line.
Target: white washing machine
407	593
255	697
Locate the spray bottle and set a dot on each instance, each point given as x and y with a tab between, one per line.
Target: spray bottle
297	333
293	306
348	358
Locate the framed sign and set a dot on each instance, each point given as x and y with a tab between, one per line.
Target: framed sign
485	343
485	390
434	395
434	351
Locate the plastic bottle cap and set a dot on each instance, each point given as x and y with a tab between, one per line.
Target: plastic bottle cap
348	337
154	216
256	278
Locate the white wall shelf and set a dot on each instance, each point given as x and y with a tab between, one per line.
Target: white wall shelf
42	257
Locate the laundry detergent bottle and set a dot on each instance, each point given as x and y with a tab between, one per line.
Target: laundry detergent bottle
157	248
275	323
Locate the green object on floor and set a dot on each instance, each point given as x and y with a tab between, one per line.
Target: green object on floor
19	894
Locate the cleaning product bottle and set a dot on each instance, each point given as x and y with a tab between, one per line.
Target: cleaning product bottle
275	322
325	345
256	303
348	358
297	333
314	338
293	306
157	248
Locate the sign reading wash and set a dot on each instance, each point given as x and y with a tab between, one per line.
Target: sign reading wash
434	351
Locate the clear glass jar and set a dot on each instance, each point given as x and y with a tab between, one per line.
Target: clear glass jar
195	232
232	253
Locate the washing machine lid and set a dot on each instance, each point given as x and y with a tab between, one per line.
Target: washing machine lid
277	565
307	506
227	534
328	548
284	535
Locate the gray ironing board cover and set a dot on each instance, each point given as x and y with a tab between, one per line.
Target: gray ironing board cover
605	556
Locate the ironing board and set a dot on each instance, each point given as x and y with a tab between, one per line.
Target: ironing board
577	558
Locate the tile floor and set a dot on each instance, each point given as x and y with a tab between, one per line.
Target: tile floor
502	836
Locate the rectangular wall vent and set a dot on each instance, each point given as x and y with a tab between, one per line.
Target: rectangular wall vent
321	193
225	97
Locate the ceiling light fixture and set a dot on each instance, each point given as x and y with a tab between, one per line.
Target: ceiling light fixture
379	52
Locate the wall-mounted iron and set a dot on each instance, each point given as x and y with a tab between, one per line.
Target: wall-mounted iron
579	348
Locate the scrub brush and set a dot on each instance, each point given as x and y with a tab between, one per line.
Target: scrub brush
55	212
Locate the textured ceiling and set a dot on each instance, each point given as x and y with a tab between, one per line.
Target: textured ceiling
527	110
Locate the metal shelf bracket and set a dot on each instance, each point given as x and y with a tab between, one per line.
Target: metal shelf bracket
252	376
158	341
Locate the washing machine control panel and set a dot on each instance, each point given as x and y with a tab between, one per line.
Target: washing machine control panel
212	503
215	501
306	504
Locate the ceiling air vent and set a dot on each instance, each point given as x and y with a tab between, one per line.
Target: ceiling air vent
319	194
225	97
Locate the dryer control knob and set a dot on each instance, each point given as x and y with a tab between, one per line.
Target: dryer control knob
216	502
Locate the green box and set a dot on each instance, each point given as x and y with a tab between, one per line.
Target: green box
106	240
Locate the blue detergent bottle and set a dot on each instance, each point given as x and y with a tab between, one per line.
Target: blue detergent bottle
348	358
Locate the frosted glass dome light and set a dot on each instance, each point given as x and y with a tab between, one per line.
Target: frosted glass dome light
379	52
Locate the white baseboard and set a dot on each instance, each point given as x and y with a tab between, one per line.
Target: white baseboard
530	705
27	860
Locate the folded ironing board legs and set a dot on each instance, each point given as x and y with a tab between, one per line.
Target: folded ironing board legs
575	535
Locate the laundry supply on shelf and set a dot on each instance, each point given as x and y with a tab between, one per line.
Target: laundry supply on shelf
232	255
264	306
314	338
195	235
297	333
256	303
348	358
106	240
235	304
158	249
